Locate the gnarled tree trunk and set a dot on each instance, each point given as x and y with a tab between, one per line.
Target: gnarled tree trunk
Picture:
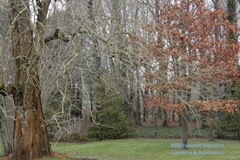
30	134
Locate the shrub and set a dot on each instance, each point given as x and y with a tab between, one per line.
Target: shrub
109	119
74	137
228	126
110	123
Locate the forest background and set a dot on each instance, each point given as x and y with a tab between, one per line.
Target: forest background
98	68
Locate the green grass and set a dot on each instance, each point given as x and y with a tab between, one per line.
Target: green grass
145	149
167	132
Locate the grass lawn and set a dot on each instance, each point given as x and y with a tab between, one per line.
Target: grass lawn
167	132
150	149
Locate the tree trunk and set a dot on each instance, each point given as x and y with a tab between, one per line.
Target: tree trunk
30	134
166	121
95	89
210	125
165	118
183	118
152	114
144	114
139	105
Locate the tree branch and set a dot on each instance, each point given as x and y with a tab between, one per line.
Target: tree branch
9	89
59	34
43	7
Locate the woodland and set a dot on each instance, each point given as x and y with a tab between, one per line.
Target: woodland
79	70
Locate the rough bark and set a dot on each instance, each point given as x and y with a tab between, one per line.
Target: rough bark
30	134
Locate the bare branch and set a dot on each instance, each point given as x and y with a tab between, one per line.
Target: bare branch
9	89
43	7
59	34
